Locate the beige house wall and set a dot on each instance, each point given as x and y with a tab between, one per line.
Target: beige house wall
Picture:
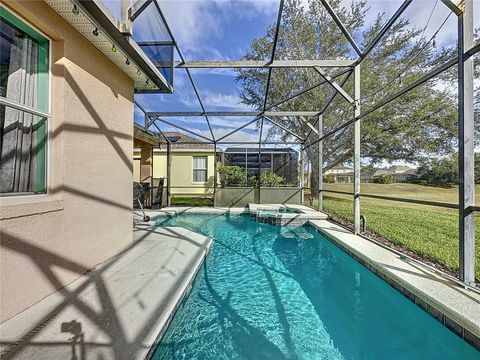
182	170
47	241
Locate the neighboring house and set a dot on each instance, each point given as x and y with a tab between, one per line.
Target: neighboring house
341	174
339	170
399	173
344	174
192	162
281	161
66	142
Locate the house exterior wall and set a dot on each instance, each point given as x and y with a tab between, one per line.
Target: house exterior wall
334	171
182	170
49	240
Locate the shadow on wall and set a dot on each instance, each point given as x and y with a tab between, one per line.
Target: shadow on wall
102	129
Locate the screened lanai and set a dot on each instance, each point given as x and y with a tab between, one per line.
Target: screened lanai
377	99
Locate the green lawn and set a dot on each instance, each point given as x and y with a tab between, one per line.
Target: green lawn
411	191
191	201
431	232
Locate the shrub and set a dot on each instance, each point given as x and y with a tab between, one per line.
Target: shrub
383	179
251	182
270	179
235	175
231	175
418	182
329	179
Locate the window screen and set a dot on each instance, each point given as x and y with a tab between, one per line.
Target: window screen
23	81
199	168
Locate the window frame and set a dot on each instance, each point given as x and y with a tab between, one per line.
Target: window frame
199	169
42	109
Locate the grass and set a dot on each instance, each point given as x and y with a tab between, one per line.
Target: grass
445	193
428	231
191	201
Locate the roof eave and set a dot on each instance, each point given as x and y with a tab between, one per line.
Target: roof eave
100	13
96	11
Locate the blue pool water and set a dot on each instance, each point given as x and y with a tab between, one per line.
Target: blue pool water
268	292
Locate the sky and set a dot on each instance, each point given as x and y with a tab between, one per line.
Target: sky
224	30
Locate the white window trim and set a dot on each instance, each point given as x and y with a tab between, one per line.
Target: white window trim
206	169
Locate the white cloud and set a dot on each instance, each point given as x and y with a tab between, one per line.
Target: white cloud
215	101
196	24
232	122
218	71
240	135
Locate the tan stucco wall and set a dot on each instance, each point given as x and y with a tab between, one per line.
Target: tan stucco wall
182	170
49	240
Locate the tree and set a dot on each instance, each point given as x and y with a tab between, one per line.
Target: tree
445	170
415	127
439	171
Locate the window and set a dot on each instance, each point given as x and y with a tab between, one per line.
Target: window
23	103
199	168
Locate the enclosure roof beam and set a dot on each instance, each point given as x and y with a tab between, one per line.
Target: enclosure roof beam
312	128
137	8
411	86
237	129
272	57
255	143
390	98
161	132
277	30
303	91
235	64
139	106
157	118
337	87
259	114
329	101
261	133
169	30
453	6
472	51
280	126
159	10
235	113
385	28
342	27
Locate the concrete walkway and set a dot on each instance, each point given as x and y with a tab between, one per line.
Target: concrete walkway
115	311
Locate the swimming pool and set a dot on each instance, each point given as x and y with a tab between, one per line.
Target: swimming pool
268	292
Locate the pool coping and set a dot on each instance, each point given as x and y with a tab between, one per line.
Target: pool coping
453	306
178	301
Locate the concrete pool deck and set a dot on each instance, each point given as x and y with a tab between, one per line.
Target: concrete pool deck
117	310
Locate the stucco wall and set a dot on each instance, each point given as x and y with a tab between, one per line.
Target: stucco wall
49	240
182	170
242	196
